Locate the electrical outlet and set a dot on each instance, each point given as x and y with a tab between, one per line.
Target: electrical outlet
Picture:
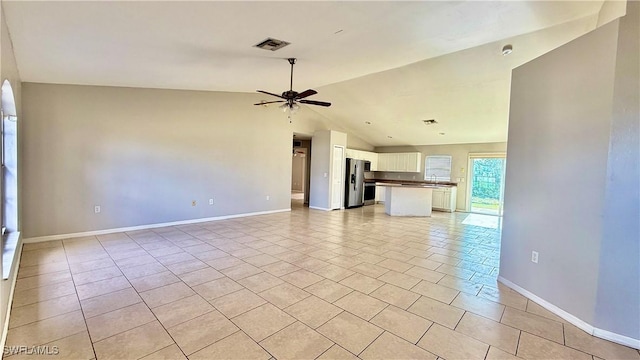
96	209
534	257
193	203
210	201
268	197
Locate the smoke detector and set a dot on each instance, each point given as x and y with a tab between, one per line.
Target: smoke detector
271	44
430	122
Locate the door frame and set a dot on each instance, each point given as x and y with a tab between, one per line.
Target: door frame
471	156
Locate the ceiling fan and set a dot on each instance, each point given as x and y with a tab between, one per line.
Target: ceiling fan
290	99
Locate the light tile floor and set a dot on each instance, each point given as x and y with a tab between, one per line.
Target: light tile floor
300	285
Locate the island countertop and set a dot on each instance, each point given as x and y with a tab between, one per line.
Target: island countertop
409	183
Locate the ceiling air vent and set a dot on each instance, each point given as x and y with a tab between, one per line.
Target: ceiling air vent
271	44
430	122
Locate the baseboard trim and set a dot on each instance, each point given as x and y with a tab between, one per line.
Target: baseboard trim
588	328
145	227
319	208
13	276
617	338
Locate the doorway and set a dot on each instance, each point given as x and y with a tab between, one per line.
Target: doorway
486	179
300	170
298	173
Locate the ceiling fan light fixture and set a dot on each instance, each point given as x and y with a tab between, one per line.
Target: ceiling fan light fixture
291	98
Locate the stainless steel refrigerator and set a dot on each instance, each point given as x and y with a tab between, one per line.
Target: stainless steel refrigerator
354	183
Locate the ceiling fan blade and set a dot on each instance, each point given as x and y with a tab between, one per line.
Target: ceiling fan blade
306	93
272	94
311	102
269	102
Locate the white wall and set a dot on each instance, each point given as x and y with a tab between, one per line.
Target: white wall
572	180
611	10
459	163
143	155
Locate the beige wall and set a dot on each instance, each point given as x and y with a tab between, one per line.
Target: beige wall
459	163
322	162
619	277
143	155
572	179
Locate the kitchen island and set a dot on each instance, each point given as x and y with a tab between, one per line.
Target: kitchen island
407	199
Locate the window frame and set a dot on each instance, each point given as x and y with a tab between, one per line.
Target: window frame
441	173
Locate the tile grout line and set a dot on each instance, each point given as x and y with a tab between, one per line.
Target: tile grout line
144	302
313	242
80	303
374	340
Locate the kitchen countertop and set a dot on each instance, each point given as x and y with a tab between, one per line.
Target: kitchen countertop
419	186
415	183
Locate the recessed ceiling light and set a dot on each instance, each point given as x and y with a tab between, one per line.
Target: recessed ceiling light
430	122
507	49
368	122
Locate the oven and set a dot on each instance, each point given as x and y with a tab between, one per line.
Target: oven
369	193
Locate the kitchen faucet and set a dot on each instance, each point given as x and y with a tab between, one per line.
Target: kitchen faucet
434	178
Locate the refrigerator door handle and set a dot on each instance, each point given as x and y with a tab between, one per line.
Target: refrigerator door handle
353	177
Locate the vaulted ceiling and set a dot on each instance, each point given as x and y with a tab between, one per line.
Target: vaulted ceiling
389	63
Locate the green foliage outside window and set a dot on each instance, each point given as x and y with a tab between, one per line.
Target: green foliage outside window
487	177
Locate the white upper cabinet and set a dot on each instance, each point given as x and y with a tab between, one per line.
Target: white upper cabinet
351	154
364	155
402	162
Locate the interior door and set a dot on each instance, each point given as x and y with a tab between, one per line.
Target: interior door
337	177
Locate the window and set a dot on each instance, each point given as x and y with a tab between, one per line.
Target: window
8	179
437	167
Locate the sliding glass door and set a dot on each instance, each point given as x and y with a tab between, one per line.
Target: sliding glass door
486	183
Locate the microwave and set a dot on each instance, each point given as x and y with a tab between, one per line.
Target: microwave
367	166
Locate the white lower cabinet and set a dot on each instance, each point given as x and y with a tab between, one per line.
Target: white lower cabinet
380	194
444	199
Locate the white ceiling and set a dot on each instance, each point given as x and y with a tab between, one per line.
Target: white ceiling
208	46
